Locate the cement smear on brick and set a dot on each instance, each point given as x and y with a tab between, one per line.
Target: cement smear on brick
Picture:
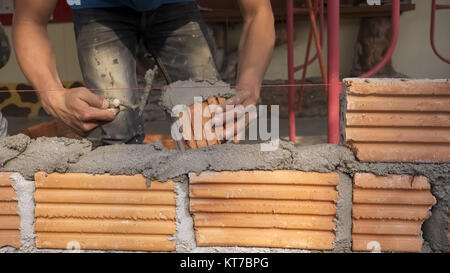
25	195
183	92
157	163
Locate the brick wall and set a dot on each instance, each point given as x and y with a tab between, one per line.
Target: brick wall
9	219
104	212
388	212
389	120
288	209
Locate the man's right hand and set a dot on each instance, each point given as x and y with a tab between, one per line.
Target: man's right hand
79	108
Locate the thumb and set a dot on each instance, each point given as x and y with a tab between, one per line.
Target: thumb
236	100
93	100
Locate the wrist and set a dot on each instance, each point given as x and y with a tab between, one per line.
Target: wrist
253	89
51	98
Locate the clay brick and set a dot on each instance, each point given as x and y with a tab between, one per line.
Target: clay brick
209	137
8	208
389	120
9	222
10	238
387	242
280	208
398	104
105	197
5	179
274	192
397	120
7	194
266	206
116	226
266	177
406	197
371	181
397	87
389	211
383	211
110	211
107	212
245	220
104	181
264	238
387	227
105	241
402	152
398	134
166	140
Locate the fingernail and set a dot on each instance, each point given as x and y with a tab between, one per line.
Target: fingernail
105	104
114	110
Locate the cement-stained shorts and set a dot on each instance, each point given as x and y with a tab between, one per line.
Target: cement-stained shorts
5	48
108	39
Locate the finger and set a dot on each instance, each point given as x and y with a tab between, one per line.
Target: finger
235	100
95	114
213	103
198	128
89	126
239	127
92	99
188	133
231	114
207	128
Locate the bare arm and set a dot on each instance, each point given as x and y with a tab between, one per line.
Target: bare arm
255	52
256	45
79	107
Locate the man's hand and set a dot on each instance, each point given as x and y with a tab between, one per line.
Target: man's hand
243	112
79	108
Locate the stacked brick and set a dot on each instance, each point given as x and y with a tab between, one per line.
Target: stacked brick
9	219
398	120
288	209
208	136
104	212
388	212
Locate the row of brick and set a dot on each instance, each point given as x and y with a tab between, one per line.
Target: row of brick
104	212
388	212
288	209
389	120
9	219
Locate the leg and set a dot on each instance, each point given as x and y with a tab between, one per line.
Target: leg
176	36
107	40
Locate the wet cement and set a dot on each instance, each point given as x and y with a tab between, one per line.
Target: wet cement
20	154
183	92
25	195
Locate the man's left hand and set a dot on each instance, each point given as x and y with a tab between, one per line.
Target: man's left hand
235	119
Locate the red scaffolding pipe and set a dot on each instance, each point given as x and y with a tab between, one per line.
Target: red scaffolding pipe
333	70
434	8
292	69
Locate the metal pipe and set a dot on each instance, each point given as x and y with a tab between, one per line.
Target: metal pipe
322	23
333	70
394	39
290	60
435	7
312	16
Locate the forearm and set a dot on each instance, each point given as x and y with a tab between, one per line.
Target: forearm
35	55
255	49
